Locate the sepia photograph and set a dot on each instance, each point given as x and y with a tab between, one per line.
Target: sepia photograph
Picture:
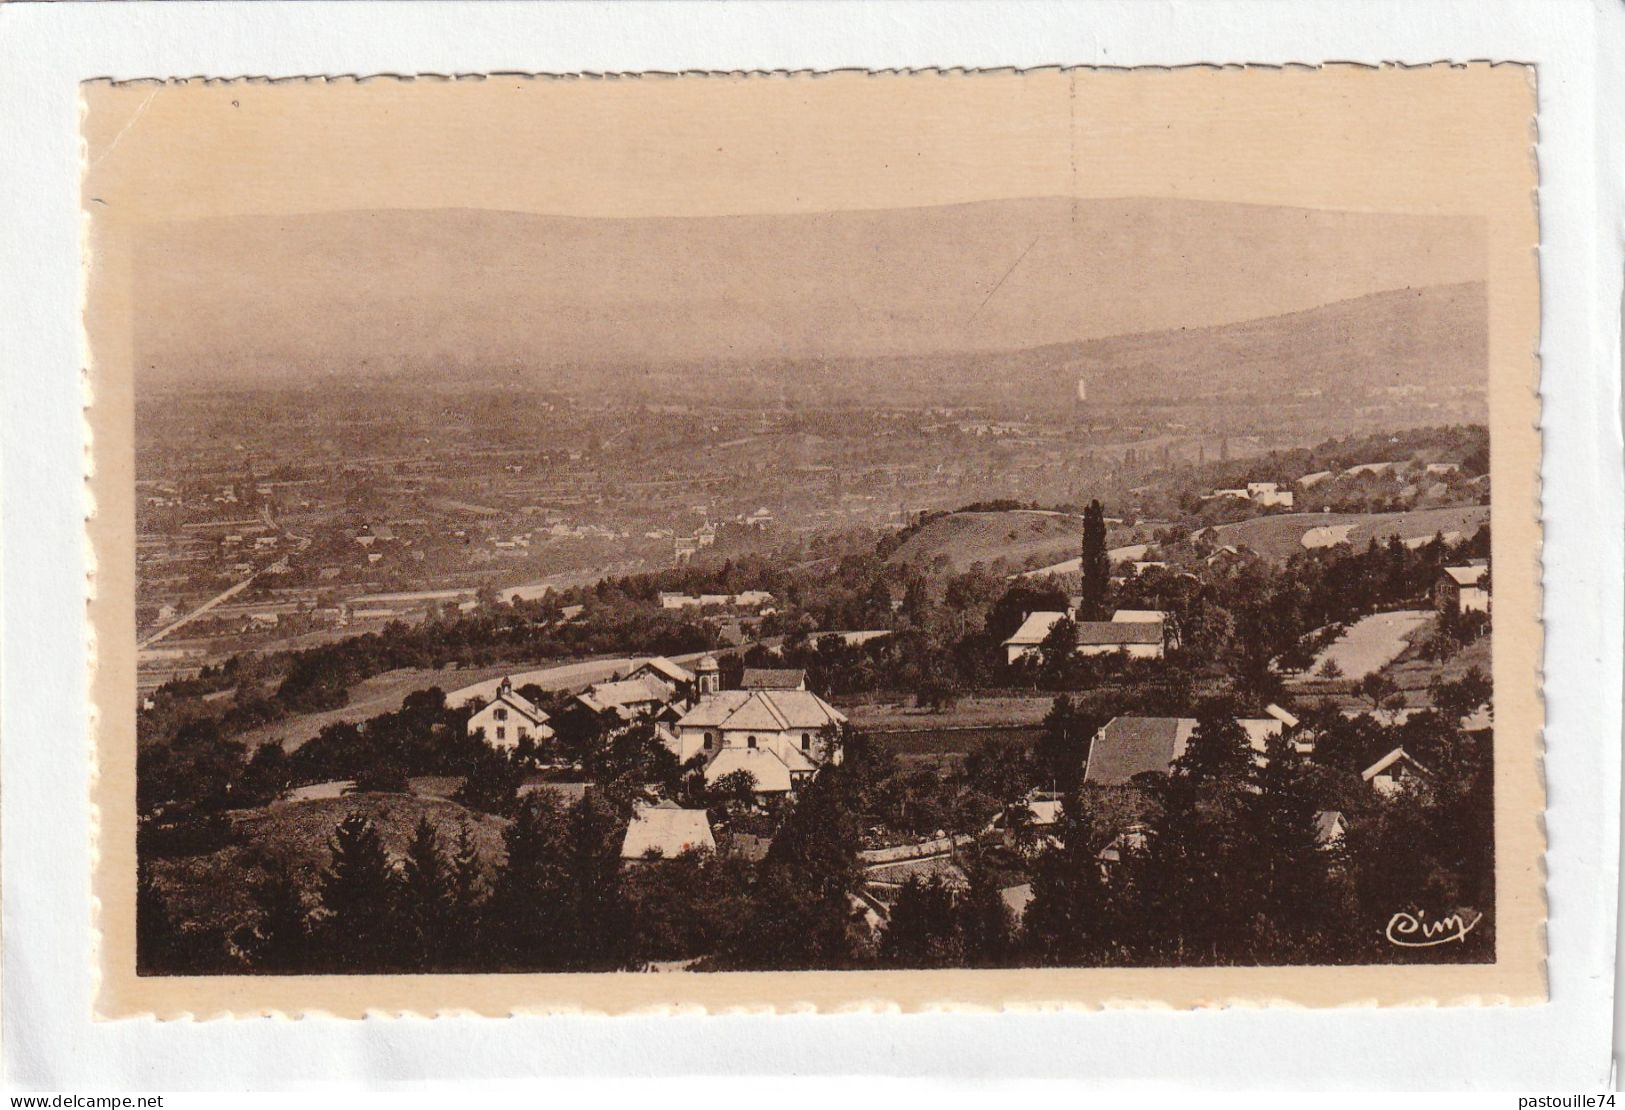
1044	535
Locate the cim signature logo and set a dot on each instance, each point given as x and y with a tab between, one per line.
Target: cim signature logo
1414	930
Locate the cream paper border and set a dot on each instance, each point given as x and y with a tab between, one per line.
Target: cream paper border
1498	102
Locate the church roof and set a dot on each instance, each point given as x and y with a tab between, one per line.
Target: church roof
769	771
763	710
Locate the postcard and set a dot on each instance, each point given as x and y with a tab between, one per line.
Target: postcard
607	544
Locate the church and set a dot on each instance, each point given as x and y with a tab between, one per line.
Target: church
775	734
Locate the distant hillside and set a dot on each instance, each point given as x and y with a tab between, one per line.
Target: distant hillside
1280	537
966	538
1429	337
581	303
1435	336
1015	536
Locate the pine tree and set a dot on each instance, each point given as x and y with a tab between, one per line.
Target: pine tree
1218	750
360	896
1095	568
467	880
1063	924
527	915
984	920
427	895
599	929
923	931
800	914
280	940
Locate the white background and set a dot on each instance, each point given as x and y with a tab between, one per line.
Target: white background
50	1041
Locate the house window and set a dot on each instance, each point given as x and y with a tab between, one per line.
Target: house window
524	733
750	741
501	714
710	739
806	741
502	733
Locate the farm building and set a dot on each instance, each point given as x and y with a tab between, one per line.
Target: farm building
680	680
1140	633
1129	746
1134	638
1464	589
1030	635
626	699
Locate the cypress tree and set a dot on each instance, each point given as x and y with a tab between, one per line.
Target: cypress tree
1095	568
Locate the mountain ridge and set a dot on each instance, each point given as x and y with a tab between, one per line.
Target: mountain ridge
466	292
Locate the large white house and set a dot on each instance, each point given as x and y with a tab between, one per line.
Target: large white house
773	734
509	718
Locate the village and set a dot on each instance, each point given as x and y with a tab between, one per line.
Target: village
1060	730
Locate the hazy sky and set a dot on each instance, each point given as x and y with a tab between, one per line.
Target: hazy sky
262	294
1348	138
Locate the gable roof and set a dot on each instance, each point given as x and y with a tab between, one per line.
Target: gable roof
1468	575
769	771
763	710
1128	746
1329	826
1398	755
519	704
1282	715
1035	628
713	709
1094	633
774	678
668	832
666	668
628	691
758	713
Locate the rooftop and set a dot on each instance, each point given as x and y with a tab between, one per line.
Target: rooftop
1119	632
774	678
666	831
1129	746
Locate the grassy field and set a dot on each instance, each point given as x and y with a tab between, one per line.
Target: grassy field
1373	642
891	712
1411	673
966	538
382	693
215	888
1015	536
1280	537
931	747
